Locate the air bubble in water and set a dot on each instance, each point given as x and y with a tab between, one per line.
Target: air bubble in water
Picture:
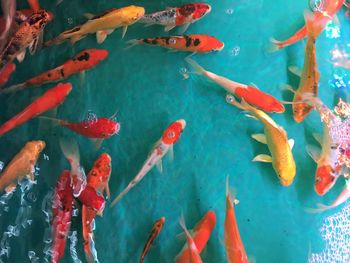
229	11
70	20
46	157
184	72
90	119
317	5
235	51
32	257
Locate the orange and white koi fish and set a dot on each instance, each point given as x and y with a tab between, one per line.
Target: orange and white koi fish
28	35
251	95
157	227
191	43
193	252
84	60
162	147
235	252
200	234
310	75
49	100
103	25
97	178
331	8
22	165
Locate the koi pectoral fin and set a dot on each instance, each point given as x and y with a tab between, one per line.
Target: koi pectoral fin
125	28
318	137
159	166
262	158
101	36
295	70
168	28
20	57
288	87
260	137
184	28
314	152
291	143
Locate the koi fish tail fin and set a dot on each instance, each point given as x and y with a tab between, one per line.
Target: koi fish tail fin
70	150
56	121
275	45
14	88
320	208
231	193
90	250
131	43
314	26
198	69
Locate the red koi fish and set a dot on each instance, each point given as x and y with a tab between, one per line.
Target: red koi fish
6	73
193	252
162	147
235	252
62	207
252	95
97	179
201	235
157	227
177	16
49	100
332	7
85	60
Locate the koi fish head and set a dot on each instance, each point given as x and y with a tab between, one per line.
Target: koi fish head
133	14
159	223
300	110
325	178
39	19
106	128
286	174
36	147
91	56
173	132
213	44
194	11
101	170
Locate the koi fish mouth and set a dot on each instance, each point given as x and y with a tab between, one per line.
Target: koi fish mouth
182	122
220	48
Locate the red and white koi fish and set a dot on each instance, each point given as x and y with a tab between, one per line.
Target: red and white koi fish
235	252
162	147
97	179
157	227
6	73
331	8
193	253
177	16
200	235
49	100
62	207
84	60
251	95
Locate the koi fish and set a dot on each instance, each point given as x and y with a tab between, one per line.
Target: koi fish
194	256
235	252
163	146
62	207
177	16
310	75
84	60
49	100
252	95
28	35
343	196
97	179
200	234
22	165
6	73
102	25
331	8
277	141
191	43
157	227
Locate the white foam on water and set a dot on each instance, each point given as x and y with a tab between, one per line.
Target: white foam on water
73	251
32	257
336	234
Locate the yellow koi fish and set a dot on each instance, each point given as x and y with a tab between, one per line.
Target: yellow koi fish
102	25
276	139
22	165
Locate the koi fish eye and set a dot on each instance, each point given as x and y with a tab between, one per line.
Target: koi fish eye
172	41
171	134
93	173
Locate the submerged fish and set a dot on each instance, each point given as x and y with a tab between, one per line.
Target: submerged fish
62	207
277	141
332	7
49	100
177	16
28	35
251	95
235	252
6	73
22	165
310	75
191	43
102	25
162	147
84	60
157	227
200	235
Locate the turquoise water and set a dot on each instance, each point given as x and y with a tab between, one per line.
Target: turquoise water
144	83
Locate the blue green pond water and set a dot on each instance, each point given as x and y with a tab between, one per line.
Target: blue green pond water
145	85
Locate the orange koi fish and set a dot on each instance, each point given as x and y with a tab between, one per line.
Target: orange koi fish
235	252
251	95
49	100
157	227
331	8
84	60
6	73
193	253
200	234
162	147
98	179
191	43
22	165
